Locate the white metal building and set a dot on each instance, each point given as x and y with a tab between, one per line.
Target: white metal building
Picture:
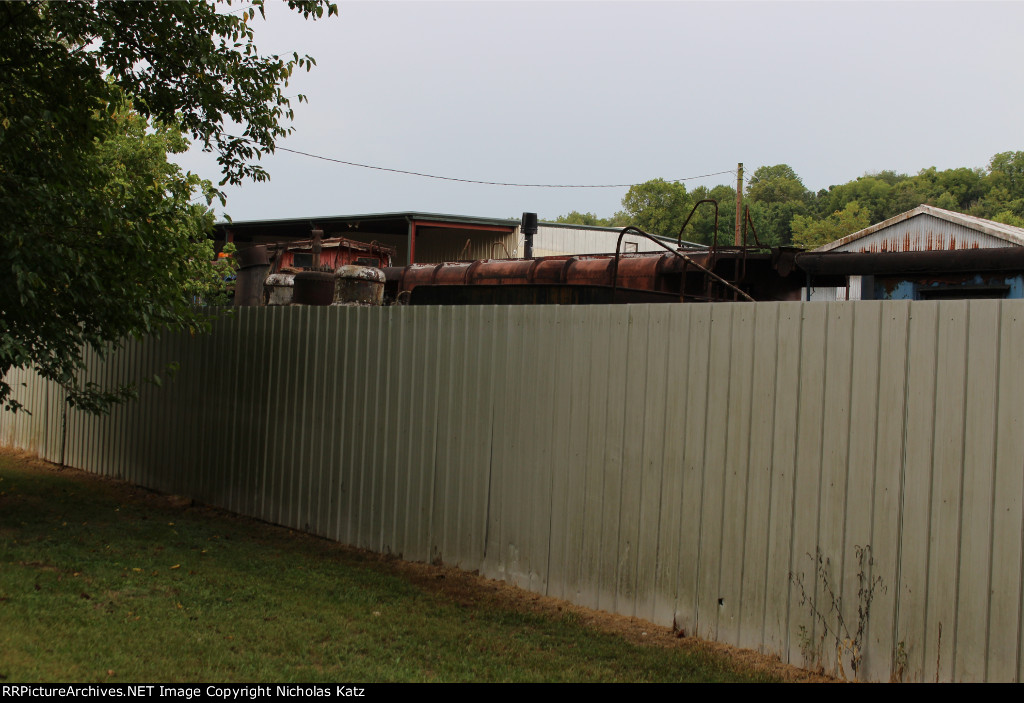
556	239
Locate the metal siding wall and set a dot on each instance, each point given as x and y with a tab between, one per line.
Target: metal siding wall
917	461
697	392
781	499
889	484
923	233
683	464
671	489
946	488
439	245
981	398
614	487
1002	653
653	402
757	513
556	241
861	477
737	468
835	468
561	574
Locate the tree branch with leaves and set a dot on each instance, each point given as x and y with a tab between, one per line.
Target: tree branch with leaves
100	236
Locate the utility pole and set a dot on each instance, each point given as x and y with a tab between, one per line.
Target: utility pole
739	203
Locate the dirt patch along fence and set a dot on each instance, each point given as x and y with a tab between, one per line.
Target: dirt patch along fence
837	483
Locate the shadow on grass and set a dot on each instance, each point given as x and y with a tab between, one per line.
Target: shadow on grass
102	581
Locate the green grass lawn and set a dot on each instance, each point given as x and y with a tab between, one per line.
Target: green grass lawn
100	581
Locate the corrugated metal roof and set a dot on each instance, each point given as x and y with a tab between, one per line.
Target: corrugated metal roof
384	220
461	219
1006	233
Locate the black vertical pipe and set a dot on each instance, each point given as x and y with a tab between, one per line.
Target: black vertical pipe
529	228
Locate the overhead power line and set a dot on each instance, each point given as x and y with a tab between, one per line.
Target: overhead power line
486	183
241	9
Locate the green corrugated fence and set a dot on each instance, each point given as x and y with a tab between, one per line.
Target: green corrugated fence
684	464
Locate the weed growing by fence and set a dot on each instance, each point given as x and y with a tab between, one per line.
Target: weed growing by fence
848	645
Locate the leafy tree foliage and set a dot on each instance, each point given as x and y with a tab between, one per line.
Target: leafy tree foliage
784	212
179	61
702	225
776	195
581	218
772	221
880	195
1003	200
589	219
1009	218
657	206
775	184
809	233
130	254
99	235
661	207
1006	170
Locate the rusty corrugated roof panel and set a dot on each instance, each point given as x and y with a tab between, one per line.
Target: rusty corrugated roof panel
927	228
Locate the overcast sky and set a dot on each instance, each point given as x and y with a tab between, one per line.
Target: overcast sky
623	92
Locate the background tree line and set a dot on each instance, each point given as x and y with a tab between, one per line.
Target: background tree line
786	213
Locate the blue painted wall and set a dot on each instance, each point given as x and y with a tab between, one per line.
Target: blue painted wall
892	288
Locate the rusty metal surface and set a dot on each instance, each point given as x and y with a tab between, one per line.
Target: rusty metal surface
358	285
948	286
748	221
715	274
679	239
928	228
363	273
711	277
249	285
333	252
355	291
754	273
639	271
279	289
594	269
313	288
252	256
534	294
